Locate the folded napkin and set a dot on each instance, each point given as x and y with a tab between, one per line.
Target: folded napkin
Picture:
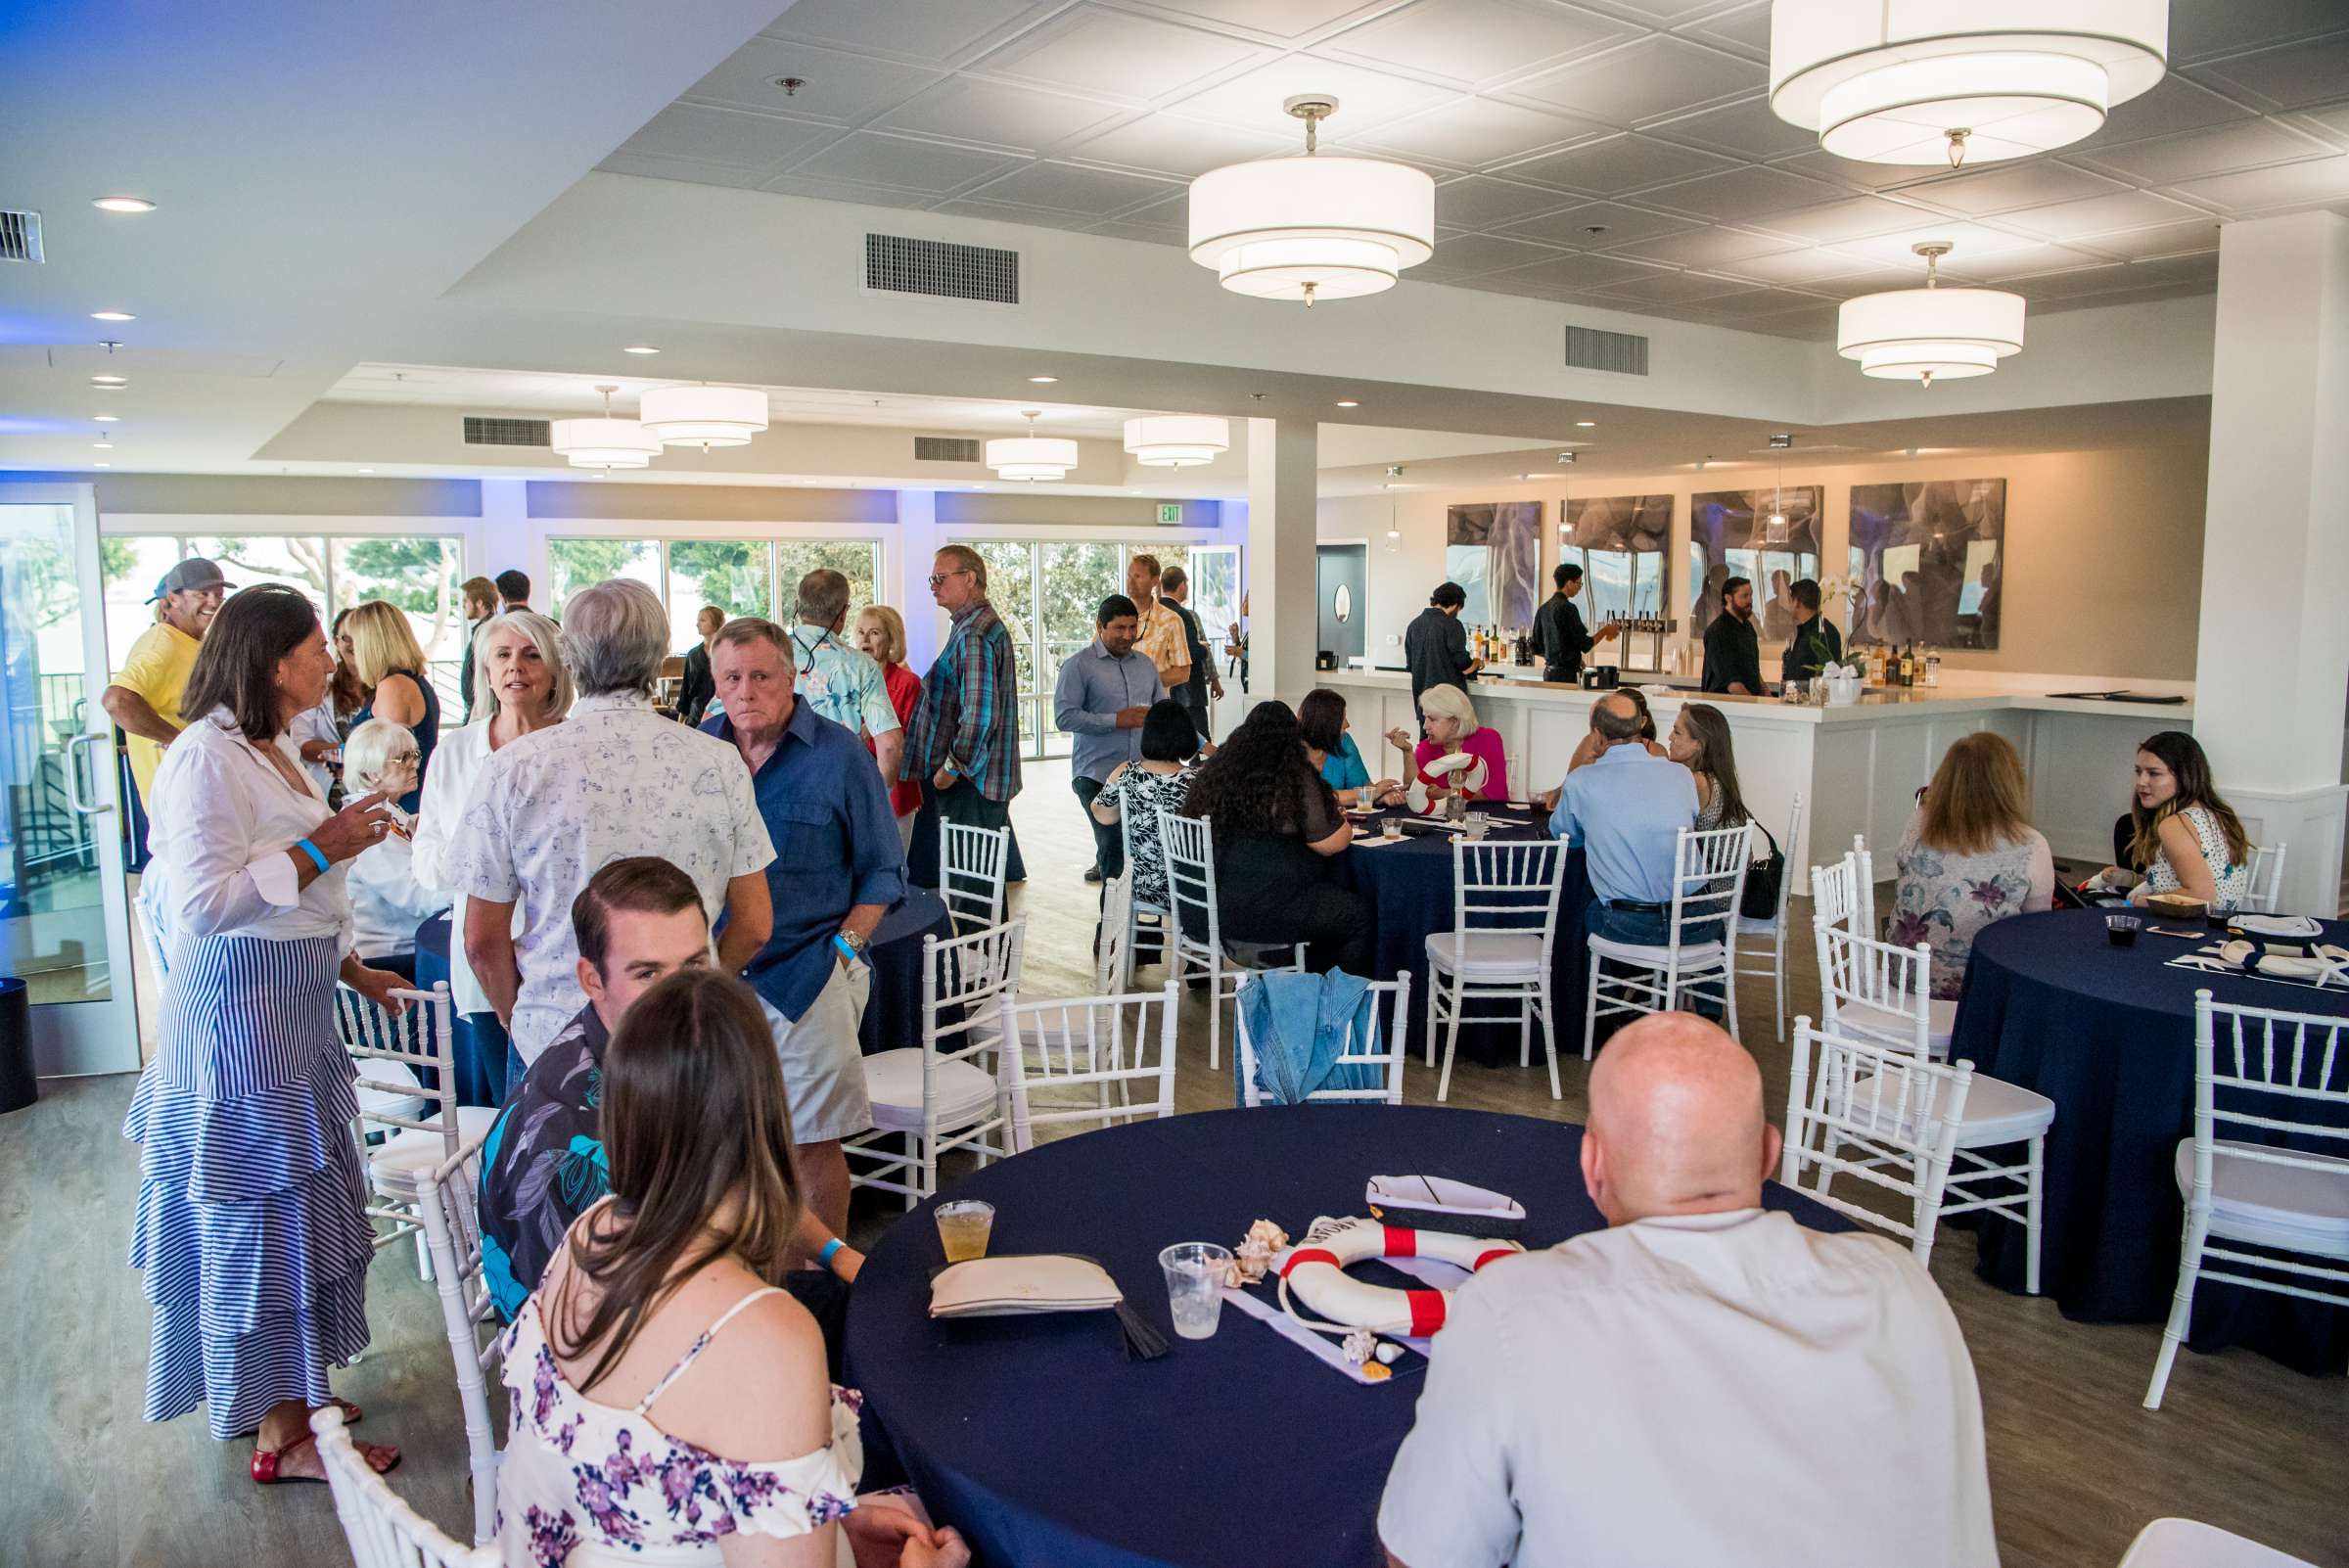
2280	925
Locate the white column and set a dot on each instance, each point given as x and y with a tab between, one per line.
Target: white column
917	543
2271	661
509	541
1283	477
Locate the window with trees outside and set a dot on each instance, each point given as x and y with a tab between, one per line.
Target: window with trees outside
419	573
741	577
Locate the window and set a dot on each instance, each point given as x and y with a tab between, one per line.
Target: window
735	575
741	577
583	563
857	560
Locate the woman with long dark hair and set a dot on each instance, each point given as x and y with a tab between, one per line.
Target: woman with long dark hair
253	1225
2188	838
1700	743
1275	826
1321	719
659	1354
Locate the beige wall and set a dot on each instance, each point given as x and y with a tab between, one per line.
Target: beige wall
2104	553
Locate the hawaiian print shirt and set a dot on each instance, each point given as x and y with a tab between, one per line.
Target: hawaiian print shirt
842	683
544	1164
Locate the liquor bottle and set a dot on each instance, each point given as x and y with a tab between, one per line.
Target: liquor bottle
1932	667
1909	665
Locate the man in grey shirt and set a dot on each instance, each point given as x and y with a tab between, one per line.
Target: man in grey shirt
1103	693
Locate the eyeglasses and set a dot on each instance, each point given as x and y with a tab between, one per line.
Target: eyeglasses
937	577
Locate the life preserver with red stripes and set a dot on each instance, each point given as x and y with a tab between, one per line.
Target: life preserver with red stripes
1313	1272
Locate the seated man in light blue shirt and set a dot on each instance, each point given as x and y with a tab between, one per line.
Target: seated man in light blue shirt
1626	810
1103	694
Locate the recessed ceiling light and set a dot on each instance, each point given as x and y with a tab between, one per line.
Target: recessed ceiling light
366	470
102	465
102	444
106	419
640	348
1586	424
112	315
1348	403
124	204
109	381
1044	381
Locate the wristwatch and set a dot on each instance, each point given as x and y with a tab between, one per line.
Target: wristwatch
850	945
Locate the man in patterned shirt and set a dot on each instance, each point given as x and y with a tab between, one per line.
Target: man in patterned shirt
840	682
964	741
1162	641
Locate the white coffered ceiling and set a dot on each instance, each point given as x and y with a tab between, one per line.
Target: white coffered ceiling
1617	154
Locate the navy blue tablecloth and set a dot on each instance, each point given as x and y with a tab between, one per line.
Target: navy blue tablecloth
1041	1442
892	1012
2109	1034
1409	885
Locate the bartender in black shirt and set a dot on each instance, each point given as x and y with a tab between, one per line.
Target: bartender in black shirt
1436	645
1558	628
1816	643
1733	652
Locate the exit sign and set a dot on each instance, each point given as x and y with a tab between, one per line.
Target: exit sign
1170	511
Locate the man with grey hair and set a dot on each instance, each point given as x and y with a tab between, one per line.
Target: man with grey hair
1626	810
840	682
615	779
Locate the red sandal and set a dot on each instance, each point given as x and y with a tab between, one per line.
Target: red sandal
267	1461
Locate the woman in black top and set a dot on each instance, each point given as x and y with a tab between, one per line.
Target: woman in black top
1275	826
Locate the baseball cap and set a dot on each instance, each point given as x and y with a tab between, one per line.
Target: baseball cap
192	573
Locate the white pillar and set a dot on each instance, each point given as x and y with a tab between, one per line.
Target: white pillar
2271	661
1282	479
509	543
916	545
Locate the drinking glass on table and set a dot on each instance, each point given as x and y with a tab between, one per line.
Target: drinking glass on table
1195	1272
963	1227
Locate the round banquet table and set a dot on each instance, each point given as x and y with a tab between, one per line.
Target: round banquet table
892	1012
1409	885
1043	1444
2109	1034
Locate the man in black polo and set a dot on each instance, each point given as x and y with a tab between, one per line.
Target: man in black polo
1733	652
1436	645
1558	628
1816	643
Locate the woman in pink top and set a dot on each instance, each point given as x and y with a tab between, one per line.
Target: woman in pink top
1452	730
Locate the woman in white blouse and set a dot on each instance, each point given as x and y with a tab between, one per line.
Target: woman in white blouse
251	1223
519	674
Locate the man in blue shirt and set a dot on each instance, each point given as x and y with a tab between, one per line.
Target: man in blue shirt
1103	696
1626	809
836	870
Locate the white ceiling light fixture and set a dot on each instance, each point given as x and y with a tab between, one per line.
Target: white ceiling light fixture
640	348
1177	441
703	416
1311	227
1917	82
1032	457
607	442
123	203
1929	333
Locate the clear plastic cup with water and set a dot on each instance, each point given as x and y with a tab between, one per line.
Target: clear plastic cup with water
1195	1272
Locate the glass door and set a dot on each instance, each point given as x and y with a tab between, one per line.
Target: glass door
63	907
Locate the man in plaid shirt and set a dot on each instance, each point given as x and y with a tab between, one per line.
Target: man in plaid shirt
964	741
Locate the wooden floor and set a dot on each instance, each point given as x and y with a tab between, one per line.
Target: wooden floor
2076	1468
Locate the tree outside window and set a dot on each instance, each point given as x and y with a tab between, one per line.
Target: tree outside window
857	560
730	574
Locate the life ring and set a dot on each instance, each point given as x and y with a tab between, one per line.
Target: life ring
1315	1270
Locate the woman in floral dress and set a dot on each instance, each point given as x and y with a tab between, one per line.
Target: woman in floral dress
1969	857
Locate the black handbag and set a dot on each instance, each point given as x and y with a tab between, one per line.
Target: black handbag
1763	880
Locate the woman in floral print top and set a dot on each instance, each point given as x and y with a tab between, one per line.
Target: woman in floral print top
657	1352
1969	857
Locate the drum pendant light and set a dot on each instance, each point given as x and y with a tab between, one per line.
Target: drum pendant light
605	442
1177	441
1917	81
704	416
1032	457
1929	333
1311	227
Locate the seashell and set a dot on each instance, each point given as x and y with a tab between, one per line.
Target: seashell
1389	1353
1377	1371
2236	952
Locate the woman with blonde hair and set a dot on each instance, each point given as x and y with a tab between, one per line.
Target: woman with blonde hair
880	634
391	666
1969	857
1452	730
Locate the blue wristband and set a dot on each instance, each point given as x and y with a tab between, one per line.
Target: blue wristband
312	851
847	950
831	1250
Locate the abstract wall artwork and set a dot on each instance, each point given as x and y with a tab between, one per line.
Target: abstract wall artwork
1730	536
1622	543
1929	562
1493	551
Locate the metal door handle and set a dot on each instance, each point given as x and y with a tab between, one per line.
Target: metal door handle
73	775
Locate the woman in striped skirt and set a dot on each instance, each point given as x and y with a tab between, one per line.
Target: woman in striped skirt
252	1225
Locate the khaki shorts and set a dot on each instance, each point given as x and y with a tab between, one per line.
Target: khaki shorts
823	1066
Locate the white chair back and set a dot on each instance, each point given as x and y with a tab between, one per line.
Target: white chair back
445	1202
1067	1056
970	874
1388	1045
2263	881
1508	886
1786	848
394	1051
383	1531
1708	880
1900	1112
1836	895
2262	1074
1873	990
1189	845
1113	955
2190	1544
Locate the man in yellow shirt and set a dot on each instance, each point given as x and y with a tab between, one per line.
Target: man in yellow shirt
144	697
1160	641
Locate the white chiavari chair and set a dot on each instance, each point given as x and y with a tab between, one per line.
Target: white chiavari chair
2283	1080
447	1202
383	1531
2263	881
1387	1049
409	1120
1899	1112
1708	879
1190	849
2190	1544
1762	943
971	863
1505	919
1085	1059
953	1090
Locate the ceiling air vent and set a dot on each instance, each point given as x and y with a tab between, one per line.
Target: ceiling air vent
1625	353
20	236
482	431
945	450
942	269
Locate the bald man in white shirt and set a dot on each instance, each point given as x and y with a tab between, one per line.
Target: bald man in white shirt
1702	1382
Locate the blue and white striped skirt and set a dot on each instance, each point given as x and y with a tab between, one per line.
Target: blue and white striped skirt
252	1225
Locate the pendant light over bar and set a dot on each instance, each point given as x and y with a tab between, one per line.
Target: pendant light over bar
1311	227
1930	333
607	442
1177	441
1922	81
1032	457
703	416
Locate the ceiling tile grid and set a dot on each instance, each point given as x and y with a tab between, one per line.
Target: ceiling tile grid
1616	150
